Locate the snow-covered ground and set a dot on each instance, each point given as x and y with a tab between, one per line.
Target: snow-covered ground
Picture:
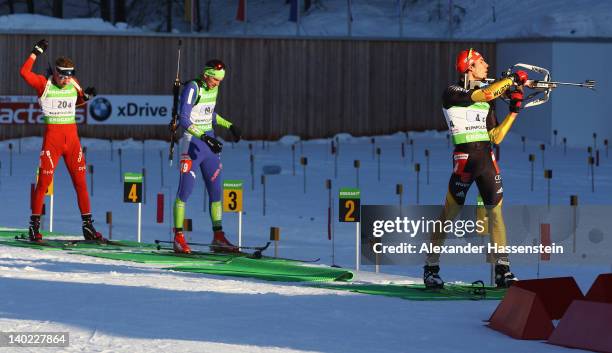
126	307
487	19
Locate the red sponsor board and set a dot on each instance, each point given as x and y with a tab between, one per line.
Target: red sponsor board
29	113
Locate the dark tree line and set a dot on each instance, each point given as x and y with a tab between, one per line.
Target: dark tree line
10	4
160	15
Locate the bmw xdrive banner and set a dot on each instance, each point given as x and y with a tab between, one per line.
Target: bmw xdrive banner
130	110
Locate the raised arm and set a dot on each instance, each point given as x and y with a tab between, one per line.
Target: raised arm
34	80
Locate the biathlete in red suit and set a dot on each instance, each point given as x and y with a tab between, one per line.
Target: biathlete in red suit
59	95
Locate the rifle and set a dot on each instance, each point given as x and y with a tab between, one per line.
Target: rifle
175	101
543	86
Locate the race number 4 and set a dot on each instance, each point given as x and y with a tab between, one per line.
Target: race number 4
349	205
232	195
132	187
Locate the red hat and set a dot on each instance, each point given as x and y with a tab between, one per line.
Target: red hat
465	59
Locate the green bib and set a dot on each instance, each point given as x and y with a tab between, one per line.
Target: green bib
468	124
59	104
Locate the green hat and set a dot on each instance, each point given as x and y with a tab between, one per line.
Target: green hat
215	68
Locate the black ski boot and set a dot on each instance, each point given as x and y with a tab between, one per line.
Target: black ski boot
503	277
431	279
89	232
34	230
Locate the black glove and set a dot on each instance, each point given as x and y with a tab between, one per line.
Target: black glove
40	47
89	93
516	100
214	144
235	130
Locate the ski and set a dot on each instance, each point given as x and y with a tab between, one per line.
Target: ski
67	242
258	248
254	255
474	291
296	260
23	239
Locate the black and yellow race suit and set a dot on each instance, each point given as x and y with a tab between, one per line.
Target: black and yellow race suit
474	128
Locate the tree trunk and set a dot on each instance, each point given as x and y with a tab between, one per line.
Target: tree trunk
58	8
120	15
168	16
105	11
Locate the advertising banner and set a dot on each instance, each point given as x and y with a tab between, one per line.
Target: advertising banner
130	110
25	110
101	110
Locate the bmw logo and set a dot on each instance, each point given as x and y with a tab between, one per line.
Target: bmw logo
100	108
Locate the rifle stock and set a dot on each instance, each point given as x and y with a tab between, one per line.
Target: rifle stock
175	102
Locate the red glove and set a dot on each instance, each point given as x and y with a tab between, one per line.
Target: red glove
519	77
516	100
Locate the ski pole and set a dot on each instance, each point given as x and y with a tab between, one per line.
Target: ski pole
548	176
411	150
91	179
161	167
263	183
120	165
10	146
532	161
427	166
292	159
373	141
378	158
590	152
252	160
417	169
304	163
399	191
333	153
591	164
574	205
